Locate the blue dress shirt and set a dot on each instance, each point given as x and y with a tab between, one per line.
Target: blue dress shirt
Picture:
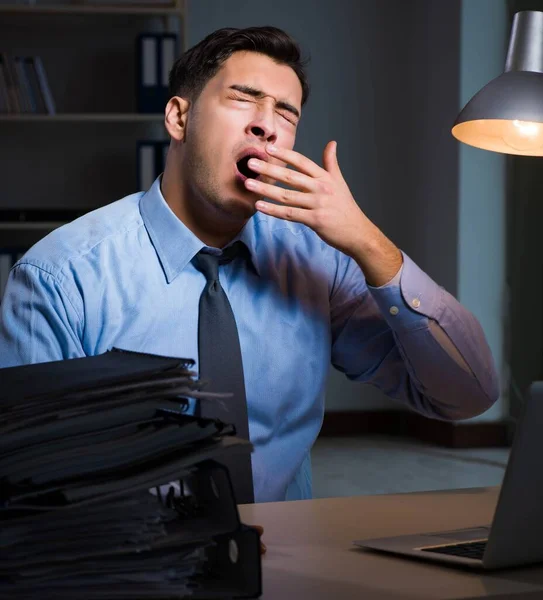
121	276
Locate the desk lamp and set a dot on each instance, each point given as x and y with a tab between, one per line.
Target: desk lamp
507	114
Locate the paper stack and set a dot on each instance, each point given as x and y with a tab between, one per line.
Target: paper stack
108	489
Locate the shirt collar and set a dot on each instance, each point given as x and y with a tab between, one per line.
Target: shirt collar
174	243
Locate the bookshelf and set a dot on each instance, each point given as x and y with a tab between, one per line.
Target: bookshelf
88	49
55	167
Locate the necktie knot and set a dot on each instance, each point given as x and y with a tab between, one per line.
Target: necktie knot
208	264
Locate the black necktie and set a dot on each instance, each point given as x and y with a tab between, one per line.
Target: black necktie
220	363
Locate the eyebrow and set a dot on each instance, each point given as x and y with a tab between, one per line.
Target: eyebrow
251	91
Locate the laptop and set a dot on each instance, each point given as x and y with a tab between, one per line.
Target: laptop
515	536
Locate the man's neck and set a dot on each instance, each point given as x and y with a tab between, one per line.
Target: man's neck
207	224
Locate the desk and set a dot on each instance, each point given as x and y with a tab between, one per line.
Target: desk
310	555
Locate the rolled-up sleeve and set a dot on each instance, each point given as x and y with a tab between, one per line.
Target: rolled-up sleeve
39	319
384	337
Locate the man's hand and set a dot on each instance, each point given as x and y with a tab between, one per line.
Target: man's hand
321	199
260	531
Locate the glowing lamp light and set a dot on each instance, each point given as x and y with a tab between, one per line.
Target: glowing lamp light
507	114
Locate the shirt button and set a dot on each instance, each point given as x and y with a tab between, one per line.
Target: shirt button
416	303
394	310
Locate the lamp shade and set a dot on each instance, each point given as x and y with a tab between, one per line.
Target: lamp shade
507	114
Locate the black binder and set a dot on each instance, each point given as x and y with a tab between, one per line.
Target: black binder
81	374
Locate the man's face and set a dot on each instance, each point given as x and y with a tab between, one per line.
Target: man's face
251	102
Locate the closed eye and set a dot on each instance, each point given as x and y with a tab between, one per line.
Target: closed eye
239	99
286	115
288	118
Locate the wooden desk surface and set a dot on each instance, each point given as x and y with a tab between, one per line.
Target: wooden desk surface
310	555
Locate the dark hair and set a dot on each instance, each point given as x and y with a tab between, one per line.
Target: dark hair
199	64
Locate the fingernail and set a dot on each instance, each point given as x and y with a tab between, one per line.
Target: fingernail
254	162
271	148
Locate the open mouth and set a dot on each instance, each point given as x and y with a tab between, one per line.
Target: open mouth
243	167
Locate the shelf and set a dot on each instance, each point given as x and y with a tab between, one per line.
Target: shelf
79	9
86	154
28	226
86	117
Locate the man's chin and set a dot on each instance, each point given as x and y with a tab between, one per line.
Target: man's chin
240	208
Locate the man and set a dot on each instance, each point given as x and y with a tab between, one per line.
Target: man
320	281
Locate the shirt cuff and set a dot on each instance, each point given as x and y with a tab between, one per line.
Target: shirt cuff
410	298
394	281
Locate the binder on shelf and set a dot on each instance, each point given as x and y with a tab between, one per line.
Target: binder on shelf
155	56
151	161
167	58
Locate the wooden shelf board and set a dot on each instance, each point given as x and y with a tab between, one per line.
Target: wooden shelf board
85	117
75	9
27	225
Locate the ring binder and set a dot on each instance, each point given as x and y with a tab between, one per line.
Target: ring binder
155	56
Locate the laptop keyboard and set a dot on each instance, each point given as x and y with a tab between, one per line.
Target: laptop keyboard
474	550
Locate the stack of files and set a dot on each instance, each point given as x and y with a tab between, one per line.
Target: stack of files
109	489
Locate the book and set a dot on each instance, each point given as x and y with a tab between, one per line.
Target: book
11	90
4	98
24	86
26	98
34	86
44	86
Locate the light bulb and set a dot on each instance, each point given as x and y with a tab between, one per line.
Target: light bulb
523	135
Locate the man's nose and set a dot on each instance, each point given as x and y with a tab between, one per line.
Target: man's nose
263	127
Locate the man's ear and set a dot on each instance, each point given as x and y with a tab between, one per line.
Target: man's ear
175	117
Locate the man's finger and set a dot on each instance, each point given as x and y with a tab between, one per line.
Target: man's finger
293	178
329	159
287	213
260	530
297	160
285	196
